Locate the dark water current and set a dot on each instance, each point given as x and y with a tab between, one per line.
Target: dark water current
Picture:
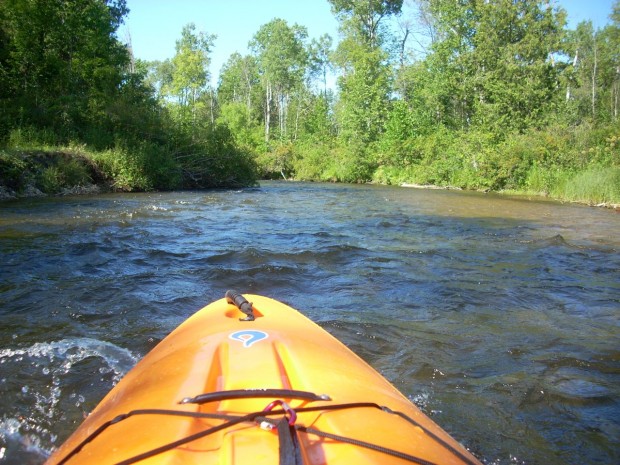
499	317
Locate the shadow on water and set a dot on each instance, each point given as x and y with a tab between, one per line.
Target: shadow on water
497	316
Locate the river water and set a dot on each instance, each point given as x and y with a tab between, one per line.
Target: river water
499	317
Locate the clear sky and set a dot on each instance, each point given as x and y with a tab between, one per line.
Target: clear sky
155	25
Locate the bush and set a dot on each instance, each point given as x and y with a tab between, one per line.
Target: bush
12	168
312	160
125	168
351	163
276	163
50	172
217	161
65	172
31	138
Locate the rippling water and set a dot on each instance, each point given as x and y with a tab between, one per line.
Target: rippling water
499	317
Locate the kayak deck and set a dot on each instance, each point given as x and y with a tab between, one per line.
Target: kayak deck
263	386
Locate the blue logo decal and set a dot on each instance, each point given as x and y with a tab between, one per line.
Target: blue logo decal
249	336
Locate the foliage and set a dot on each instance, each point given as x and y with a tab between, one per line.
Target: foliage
282	58
364	86
62	62
189	74
364	17
240	84
503	97
212	159
246	134
320	64
68	80
313	159
48	171
12	169
596	185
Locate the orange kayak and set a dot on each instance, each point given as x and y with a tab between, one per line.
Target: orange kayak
256	383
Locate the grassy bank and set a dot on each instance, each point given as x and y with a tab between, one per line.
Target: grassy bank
569	164
34	163
45	171
565	167
52	170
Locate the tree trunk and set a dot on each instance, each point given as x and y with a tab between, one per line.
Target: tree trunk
281	113
212	105
296	120
267	111
568	90
616	91
248	86
403	43
594	80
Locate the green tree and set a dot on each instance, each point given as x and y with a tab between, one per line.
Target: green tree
62	63
516	79
282	58
365	81
159	78
364	91
592	76
319	53
492	65
611	37
365	16
240	83
190	73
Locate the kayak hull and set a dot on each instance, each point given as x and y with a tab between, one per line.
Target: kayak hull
249	365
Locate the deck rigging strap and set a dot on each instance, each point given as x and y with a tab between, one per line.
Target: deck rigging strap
257	417
218	396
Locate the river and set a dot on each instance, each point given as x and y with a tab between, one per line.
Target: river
498	316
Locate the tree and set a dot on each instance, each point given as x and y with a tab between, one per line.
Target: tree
364	91
365	82
614	39
159	77
492	64
190	72
240	83
611	36
62	61
582	46
365	16
592	75
319	53
282	58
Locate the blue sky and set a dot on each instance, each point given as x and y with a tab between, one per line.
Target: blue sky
155	25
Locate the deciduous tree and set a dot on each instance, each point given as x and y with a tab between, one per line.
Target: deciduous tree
190	72
282	58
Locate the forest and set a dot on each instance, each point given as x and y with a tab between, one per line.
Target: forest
484	95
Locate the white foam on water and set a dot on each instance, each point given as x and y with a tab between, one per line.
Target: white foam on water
28	424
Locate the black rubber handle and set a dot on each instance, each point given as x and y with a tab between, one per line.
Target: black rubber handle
241	303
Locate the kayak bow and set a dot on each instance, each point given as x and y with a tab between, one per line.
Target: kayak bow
256	383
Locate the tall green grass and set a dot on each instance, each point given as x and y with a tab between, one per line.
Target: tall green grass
37	158
597	185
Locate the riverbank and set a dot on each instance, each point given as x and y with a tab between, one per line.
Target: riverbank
33	170
74	171
515	193
41	173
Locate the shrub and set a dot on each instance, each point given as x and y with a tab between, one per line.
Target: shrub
312	160
29	138
12	168
125	168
